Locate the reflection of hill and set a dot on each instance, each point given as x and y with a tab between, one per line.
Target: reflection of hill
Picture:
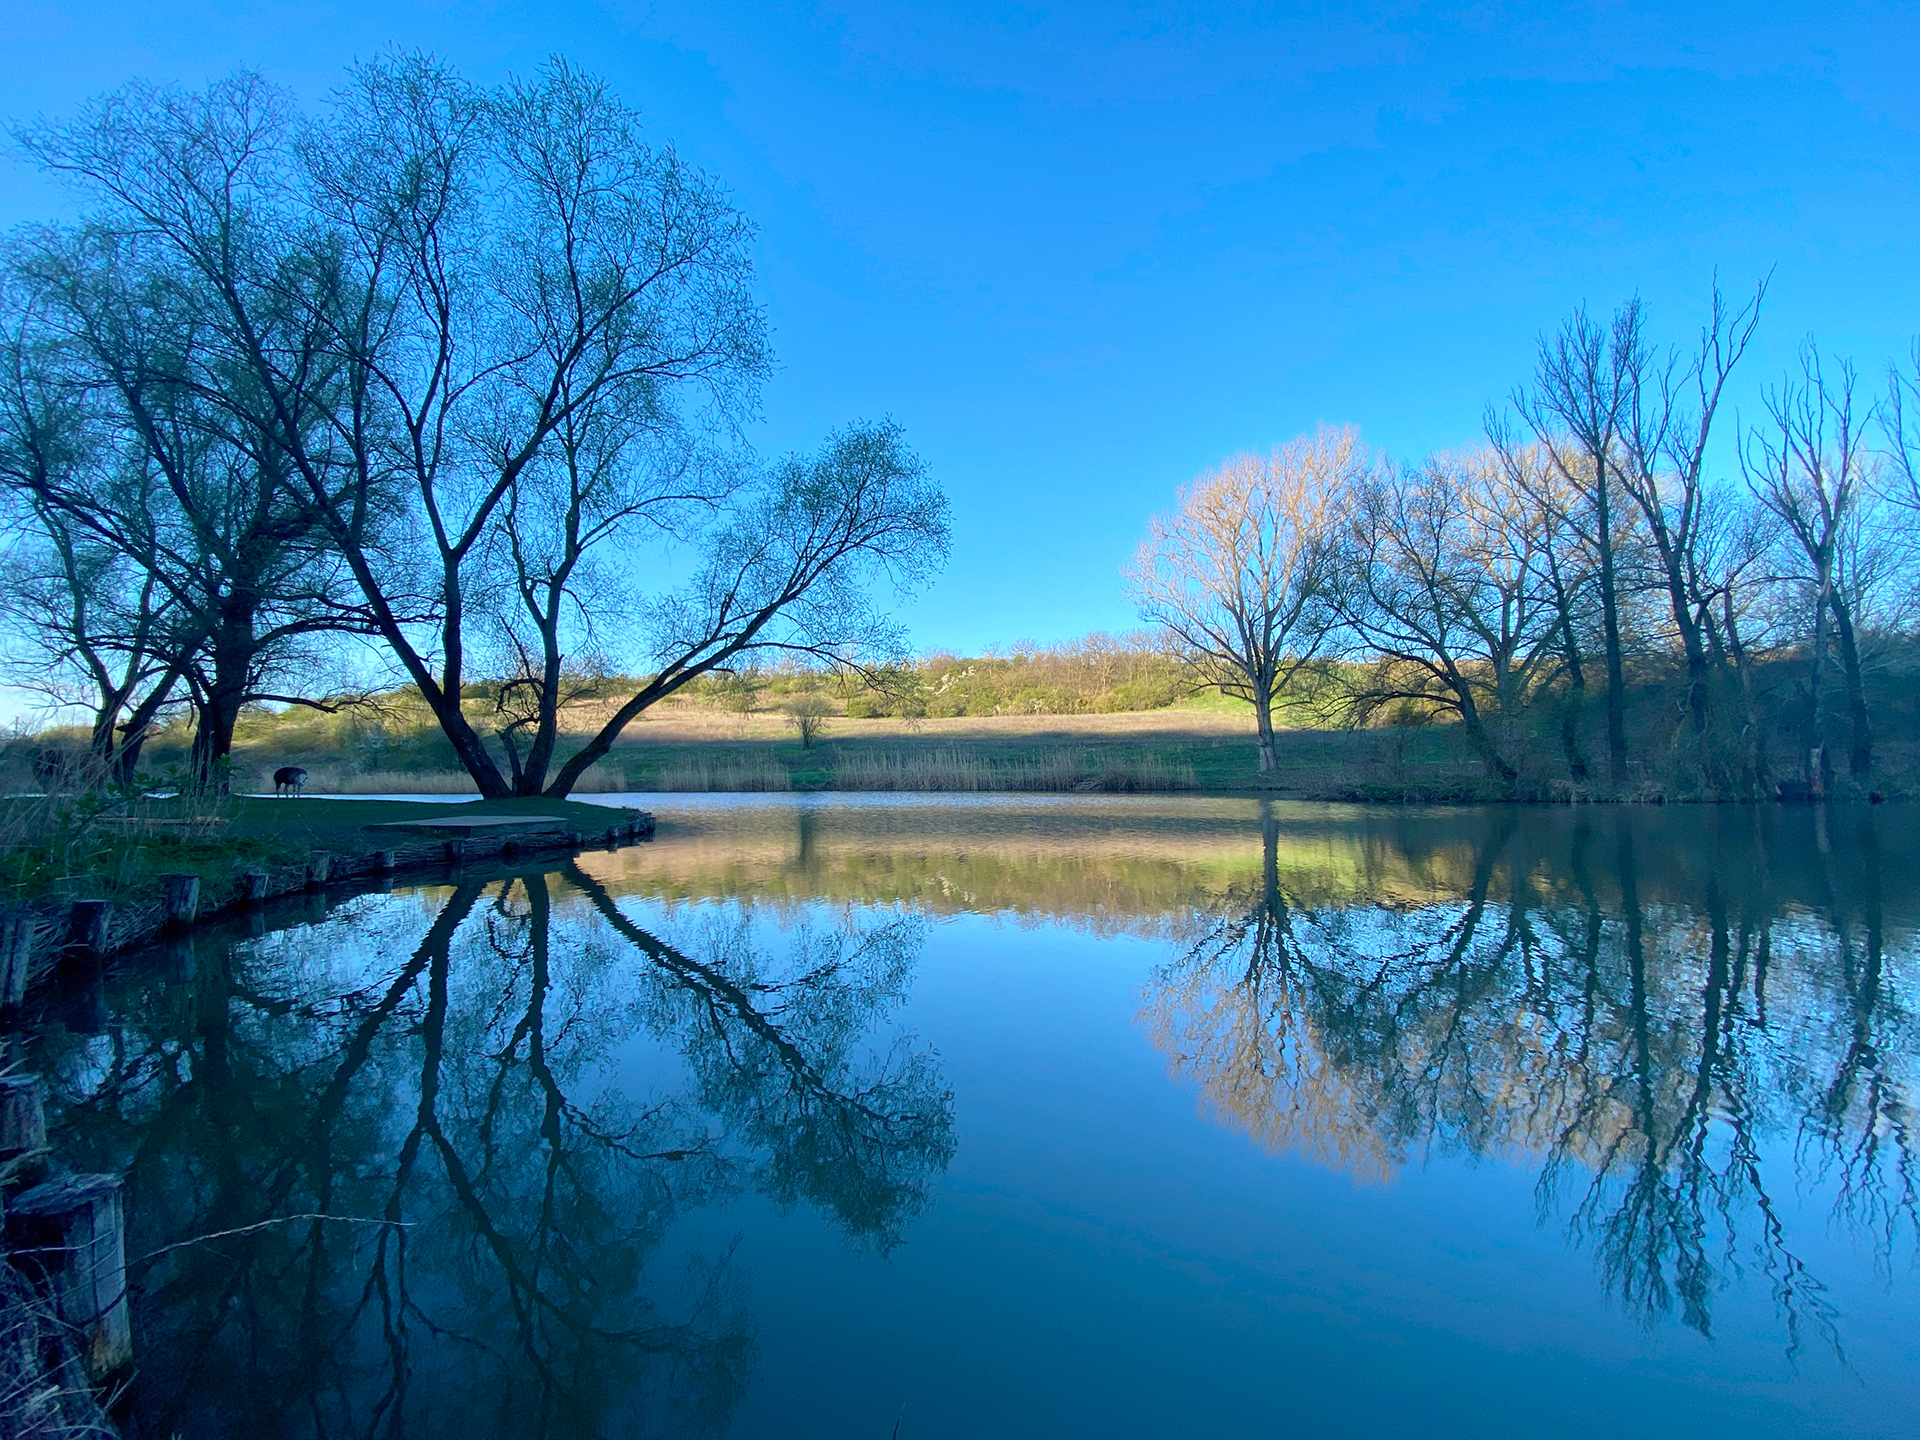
1138	863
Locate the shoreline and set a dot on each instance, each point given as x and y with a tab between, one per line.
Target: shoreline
38	936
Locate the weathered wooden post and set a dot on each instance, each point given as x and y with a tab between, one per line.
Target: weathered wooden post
319	866
75	1228
16	954
254	886
23	1115
456	851
88	924
183	899
383	862
612	837
83	975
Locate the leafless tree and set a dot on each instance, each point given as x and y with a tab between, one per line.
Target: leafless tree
1809	467
1440	580
493	341
1239	574
1579	407
1670	410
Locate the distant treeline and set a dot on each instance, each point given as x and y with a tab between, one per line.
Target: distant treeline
1605	599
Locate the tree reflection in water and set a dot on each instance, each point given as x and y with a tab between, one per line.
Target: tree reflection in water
1670	1064
493	1257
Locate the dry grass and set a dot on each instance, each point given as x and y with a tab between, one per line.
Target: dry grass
1064	770
723	772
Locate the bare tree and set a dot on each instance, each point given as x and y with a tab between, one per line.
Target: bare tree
88	630
1670	410
1441	581
1809	468
91	628
1585	383
127	331
1239	574
502	311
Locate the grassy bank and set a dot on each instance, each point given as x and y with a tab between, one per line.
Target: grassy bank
716	739
55	849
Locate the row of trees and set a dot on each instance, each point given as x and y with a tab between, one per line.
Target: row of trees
1526	587
428	381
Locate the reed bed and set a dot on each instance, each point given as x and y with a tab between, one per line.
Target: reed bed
725	772
1059	771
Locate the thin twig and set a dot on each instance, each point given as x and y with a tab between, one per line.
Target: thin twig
262	1225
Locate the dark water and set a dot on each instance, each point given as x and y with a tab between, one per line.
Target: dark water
850	1118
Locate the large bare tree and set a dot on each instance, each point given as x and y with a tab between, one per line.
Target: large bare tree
496	343
1239	573
1441	582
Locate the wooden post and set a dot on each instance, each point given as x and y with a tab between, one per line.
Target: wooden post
183	899
88	924
575	840
456	851
75	1227
612	837
253	886
383	862
16	954
319	865
23	1115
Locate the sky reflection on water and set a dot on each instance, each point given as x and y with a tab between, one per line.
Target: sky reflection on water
1116	1116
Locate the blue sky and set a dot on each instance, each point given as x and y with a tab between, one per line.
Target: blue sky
1083	253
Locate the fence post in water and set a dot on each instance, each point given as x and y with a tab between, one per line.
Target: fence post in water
383	862
75	1228
456	851
23	1115
253	886
16	953
183	899
319	864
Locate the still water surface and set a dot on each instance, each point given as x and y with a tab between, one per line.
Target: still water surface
846	1116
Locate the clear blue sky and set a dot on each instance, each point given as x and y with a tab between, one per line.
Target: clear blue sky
1084	252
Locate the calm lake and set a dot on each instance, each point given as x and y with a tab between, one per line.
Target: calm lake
849	1116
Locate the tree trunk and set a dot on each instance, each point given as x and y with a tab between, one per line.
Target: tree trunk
1816	746
1756	726
1610	624
1574	704
219	708
1476	729
1263	723
1860	755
